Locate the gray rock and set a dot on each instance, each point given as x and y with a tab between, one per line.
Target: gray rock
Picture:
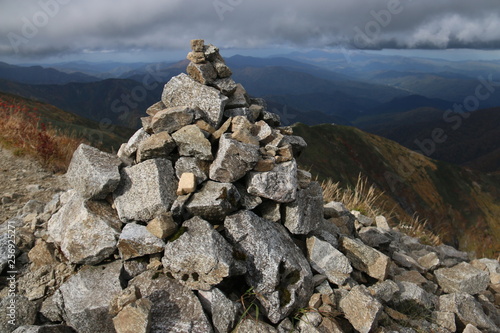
223	71
135	317
52	307
234	159
384	290
146	190
191	164
374	237
471	329
365	258
155	108
200	258
226	85
361	309
305	213
327	232
448	252
239	98
85	231
203	73
335	209
277	269
429	261
406	261
382	223
252	325
172	119
132	145
272	119
279	184
225	313
181	90
462	278
136	241
43	329
214	201
87	295
156	146
93	173
17	311
467	310
175	308
247	200
270	210
445	320
364	220
298	144
413	300
192	142
327	260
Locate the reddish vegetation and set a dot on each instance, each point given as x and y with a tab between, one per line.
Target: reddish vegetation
22	129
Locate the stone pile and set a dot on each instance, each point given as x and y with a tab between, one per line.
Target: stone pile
203	222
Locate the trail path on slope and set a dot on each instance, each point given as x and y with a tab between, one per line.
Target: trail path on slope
23	179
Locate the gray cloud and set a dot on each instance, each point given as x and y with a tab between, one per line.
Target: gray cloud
38	28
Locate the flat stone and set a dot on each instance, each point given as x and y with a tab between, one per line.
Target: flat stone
233	160
335	209
172	119
361	309
203	73
136	241
462	278
87	295
192	142
277	269
429	261
327	260
85	231
305	213
181	90
153	109
192	165
214	201
146	190
156	146
93	173
279	184
196	57
365	258
174	308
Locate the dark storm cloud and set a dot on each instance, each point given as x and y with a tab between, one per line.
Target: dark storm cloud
44	27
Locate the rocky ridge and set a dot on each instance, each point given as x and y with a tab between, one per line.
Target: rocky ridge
203	217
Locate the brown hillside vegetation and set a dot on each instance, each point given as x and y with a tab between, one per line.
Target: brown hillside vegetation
461	205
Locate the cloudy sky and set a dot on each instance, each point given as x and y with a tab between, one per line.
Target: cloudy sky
38	30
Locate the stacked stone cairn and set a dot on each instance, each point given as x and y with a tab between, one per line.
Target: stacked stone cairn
204	223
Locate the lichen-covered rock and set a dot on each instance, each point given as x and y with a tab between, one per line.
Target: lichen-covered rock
182	90
87	295
279	184
305	213
172	119
361	309
234	159
86	231
136	241
200	258
93	173
174	308
192	142
146	190
327	260
366	259
203	73
462	278
214	201
277	269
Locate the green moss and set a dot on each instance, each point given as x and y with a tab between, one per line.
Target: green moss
178	234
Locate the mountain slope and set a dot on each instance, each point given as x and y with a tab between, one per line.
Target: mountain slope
40	75
460	204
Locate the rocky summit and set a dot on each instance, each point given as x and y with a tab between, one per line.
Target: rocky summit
204	222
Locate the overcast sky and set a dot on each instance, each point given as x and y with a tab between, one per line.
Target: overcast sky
36	30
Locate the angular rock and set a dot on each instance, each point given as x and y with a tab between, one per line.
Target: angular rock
462	278
467	310
298	144
225	313
146	190
191	164
200	258
226	85
239	98
234	159
85	231
16	311
445	320
197	45
172	119
335	209
162	226
203	73
327	260
223	71
43	329
134	318
270	211
42	254
87	295
277	269
279	184
412	300
374	237
361	309
429	261
214	201
327	232
182	90
247	200
471	329
196	57
211	52
365	258
187	184
93	173
252	325
175	308
136	241
133	144
384	290
153	109
382	223
156	146
305	213
192	142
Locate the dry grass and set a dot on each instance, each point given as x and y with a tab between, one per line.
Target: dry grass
368	200
22	130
